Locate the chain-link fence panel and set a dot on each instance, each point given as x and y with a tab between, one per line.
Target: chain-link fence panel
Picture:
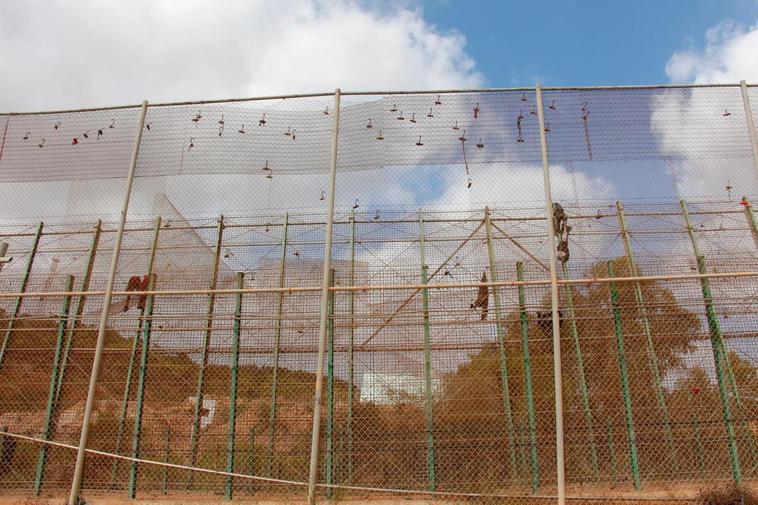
66	172
448	397
689	146
202	383
438	326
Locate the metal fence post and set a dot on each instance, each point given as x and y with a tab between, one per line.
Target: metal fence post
754	232
50	411
703	270
5	134
524	324
720	357
79	312
431	463
502	359
625	390
350	343
583	390
20	299
233	385
147	326
329	449
196	421
647	330
750	124
277	344
133	357
323	313
79	466
557	374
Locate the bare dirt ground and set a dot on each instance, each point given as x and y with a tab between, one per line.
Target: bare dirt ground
111	499
595	495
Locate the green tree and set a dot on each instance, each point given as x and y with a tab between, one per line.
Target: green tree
473	401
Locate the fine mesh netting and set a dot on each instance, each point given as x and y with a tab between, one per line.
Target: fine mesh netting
439	357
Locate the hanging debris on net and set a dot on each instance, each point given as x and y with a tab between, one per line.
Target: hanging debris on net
562	229
136	284
482	298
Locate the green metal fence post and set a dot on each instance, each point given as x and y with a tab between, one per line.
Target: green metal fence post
166	452
502	356
133	357
79	312
618	328
646	327
329	448
754	232
277	346
524	325
583	390
20	299
196	421
526	447
429	404
147	325
50	410
233	385
696	249
428	393
350	344
720	357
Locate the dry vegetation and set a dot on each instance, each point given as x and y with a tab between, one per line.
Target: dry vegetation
730	494
389	441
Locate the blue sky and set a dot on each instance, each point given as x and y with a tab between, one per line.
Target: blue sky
570	43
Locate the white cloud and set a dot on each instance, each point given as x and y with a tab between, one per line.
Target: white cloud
92	53
704	130
97	53
522	183
707	151
729	56
102	53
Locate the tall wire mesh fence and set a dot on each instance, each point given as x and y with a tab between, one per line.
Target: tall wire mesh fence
439	337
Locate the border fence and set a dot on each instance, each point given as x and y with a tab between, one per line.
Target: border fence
533	294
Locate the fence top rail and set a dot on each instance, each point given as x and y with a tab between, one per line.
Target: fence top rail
545	88
385	287
405	214
385	92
